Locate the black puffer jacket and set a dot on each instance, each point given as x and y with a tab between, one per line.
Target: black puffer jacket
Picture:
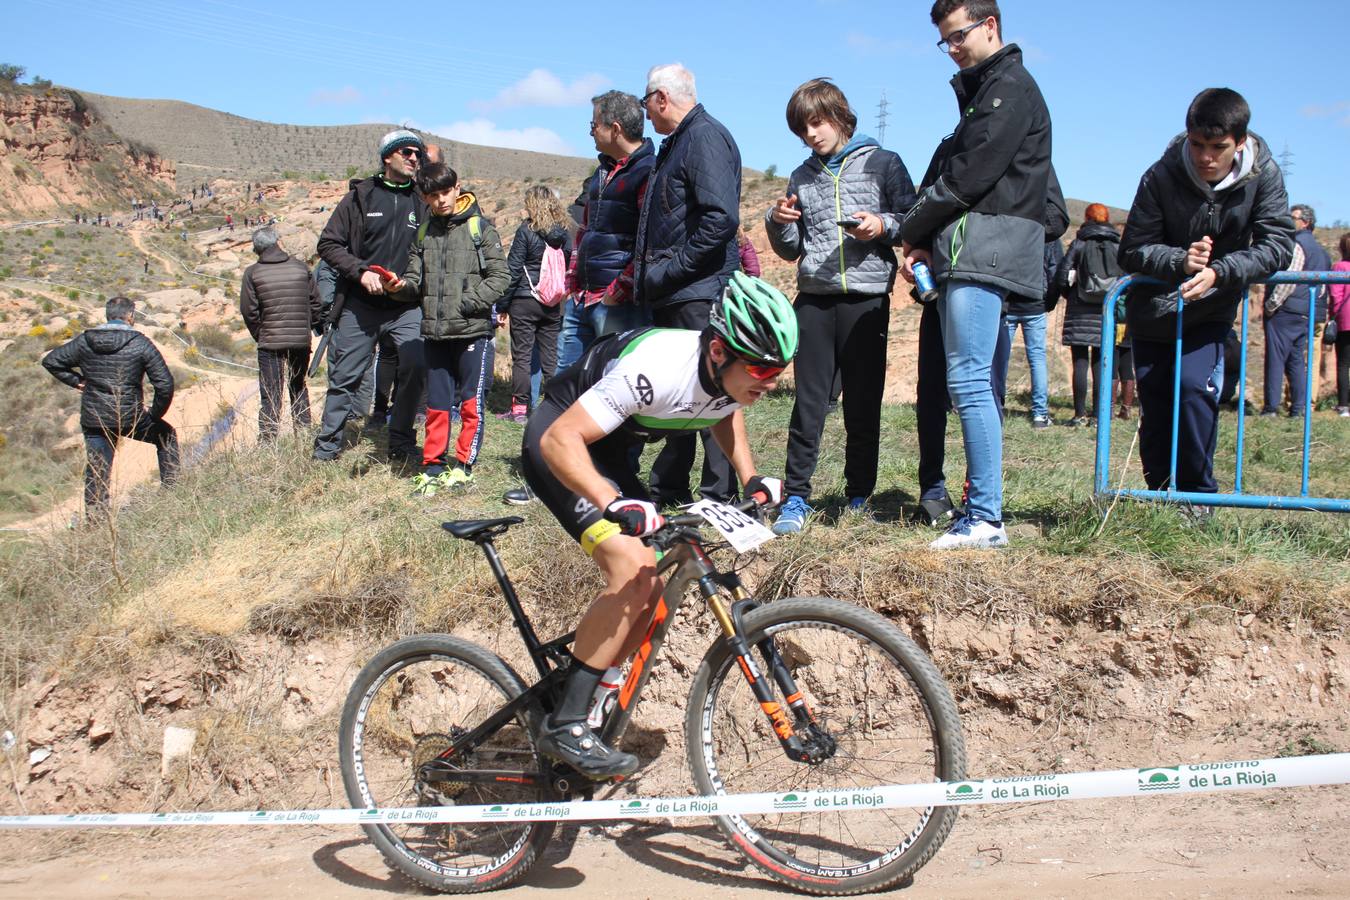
686	239
279	301
109	362
1082	321
527	255
982	204
1173	208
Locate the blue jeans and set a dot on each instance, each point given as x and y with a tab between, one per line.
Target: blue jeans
970	315
1033	335
581	325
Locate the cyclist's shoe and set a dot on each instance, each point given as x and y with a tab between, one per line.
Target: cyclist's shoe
792	518
519	496
967	533
937	512
576	745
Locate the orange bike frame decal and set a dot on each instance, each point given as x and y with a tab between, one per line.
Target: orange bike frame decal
643	654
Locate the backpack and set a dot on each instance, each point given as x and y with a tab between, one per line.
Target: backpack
552	286
1098	271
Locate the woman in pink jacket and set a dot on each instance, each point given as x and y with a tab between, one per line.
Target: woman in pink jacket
1340	314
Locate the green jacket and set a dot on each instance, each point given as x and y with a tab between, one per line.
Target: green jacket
457	278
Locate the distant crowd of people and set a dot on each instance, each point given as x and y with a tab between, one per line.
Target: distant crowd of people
413	280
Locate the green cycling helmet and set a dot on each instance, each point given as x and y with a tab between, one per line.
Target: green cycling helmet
756	320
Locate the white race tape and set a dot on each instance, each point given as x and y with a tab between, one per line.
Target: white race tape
1251	775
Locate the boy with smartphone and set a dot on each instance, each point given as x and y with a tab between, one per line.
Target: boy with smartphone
840	220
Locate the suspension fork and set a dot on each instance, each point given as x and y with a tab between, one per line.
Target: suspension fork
811	744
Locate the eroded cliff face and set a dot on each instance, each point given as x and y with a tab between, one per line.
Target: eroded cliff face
56	155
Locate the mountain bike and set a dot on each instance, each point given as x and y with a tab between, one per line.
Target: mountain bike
798	694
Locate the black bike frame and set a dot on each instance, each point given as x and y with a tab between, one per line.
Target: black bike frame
687	563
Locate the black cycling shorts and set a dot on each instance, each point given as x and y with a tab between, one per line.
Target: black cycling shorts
614	456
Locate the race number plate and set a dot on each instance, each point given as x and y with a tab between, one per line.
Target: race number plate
741	531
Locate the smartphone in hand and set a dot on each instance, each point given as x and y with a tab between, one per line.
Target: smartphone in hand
848	223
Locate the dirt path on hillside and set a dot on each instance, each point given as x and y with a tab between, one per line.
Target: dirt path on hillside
168	264
1287	843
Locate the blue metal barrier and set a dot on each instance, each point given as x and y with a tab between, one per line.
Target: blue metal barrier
1237	498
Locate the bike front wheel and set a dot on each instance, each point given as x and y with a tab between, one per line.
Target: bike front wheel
893	721
405	709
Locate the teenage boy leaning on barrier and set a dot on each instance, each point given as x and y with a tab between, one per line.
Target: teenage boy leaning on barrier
1211	216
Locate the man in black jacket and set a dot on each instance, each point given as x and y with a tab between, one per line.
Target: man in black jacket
686	250
375	225
1212	215
280	304
106	365
980	224
1287	308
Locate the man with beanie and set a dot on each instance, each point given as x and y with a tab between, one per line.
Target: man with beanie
375	225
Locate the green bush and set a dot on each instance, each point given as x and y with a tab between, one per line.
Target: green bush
214	338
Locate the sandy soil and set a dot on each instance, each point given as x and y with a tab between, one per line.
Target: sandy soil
1281	843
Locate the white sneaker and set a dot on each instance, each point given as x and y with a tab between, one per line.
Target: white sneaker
971	534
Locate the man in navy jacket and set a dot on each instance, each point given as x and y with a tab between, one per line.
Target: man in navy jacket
686	249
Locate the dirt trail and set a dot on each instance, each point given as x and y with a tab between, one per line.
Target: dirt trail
1253	845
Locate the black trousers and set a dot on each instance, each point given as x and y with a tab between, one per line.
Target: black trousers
1343	368
1202	367
101	444
1084	358
675	462
532	324
276	367
842	336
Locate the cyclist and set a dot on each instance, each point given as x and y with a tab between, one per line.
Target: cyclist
580	457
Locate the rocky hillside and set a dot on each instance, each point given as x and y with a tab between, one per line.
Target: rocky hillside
58	154
207	144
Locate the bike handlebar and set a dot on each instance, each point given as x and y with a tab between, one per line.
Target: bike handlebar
673	525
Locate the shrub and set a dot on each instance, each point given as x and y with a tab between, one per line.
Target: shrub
38	331
40	82
351	171
212	337
72	294
60	232
10	72
771	172
47	306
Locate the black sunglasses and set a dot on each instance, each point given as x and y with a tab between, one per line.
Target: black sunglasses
409	152
647	96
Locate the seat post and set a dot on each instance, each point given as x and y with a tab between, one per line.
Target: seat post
509	592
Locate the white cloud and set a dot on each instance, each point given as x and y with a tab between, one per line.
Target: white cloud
542	88
482	131
1339	111
343	96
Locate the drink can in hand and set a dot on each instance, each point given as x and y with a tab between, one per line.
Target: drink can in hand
924	285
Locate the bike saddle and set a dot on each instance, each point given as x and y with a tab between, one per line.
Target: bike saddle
468	529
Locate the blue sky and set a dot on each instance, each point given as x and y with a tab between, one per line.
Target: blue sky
1117	76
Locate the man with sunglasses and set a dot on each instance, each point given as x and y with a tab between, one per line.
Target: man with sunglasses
577	455
980	223
375	225
686	249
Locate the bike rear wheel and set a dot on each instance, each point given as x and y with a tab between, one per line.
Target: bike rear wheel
407	705
885	704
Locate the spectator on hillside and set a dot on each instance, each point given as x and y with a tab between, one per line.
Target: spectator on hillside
375	224
531	301
686	251
1287	308
457	270
1082	332
107	365
1339	313
980	223
1213	215
844	278
601	273
280	305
